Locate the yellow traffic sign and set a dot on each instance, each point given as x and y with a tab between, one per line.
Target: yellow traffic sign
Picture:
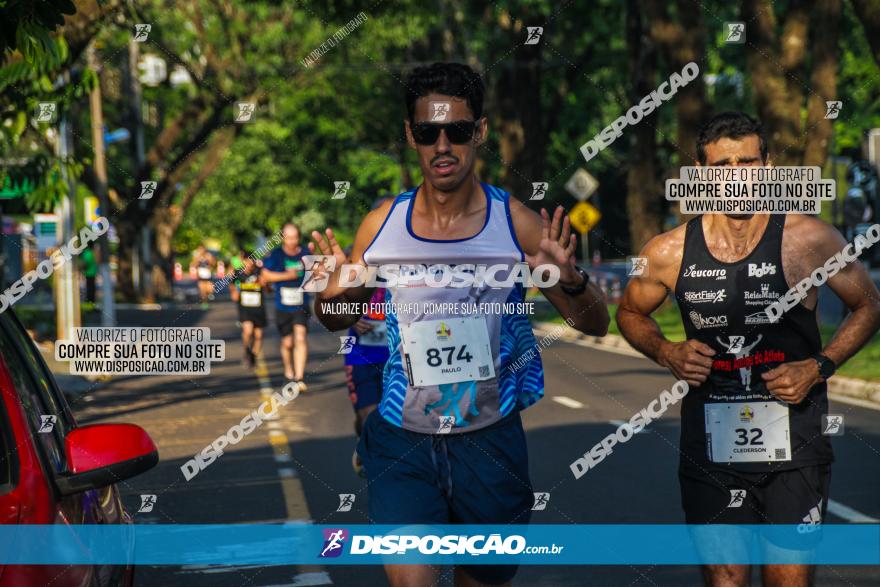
584	216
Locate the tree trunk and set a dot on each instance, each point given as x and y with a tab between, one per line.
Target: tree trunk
823	80
680	43
522	142
776	72
643	199
128	232
868	13
168	217
165	223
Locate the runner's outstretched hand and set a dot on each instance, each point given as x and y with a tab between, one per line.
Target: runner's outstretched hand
328	247
557	246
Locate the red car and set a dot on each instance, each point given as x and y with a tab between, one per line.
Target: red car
53	471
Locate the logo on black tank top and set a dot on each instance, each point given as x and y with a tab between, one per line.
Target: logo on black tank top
765	297
701	321
764	269
760	317
705	296
692	271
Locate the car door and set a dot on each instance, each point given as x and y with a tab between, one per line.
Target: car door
49	419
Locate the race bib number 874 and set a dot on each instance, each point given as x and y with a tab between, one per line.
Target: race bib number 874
447	351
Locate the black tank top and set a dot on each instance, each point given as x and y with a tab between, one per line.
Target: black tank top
722	305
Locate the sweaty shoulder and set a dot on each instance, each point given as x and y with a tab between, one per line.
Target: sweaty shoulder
369	228
807	242
664	253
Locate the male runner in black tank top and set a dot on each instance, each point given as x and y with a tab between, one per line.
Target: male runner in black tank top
752	449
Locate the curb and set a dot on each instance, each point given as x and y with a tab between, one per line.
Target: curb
840	385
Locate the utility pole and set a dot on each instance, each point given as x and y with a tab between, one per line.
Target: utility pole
142	265
67	289
108	304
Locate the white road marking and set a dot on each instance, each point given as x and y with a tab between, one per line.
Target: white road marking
283	458
567	402
849	514
617	423
286	473
216	569
307	579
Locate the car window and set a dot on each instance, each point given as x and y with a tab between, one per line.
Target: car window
42	407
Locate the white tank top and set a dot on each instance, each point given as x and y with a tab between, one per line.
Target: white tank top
459	370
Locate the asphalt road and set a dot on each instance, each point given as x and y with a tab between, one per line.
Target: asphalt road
293	469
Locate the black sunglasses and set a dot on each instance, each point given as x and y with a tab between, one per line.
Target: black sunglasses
458	133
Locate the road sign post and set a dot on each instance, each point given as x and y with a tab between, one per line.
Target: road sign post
583	217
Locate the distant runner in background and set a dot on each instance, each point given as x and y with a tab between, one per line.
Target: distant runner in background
203	262
283	267
247	292
89	271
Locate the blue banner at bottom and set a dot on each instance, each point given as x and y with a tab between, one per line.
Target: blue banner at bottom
576	544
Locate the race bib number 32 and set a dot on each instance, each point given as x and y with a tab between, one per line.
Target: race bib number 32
447	351
748	432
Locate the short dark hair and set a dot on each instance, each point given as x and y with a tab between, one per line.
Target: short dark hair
731	125
449	79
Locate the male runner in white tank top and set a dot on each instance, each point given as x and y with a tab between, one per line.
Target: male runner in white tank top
446	444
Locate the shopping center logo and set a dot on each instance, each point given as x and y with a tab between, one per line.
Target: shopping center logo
761	298
334	539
